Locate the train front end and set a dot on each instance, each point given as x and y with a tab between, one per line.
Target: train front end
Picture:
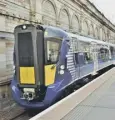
33	84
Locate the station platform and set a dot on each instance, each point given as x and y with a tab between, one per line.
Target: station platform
95	101
100	105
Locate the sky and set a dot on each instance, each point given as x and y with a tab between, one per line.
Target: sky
107	7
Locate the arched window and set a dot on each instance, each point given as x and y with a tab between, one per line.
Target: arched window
64	19
104	36
91	30
75	23
49	13
96	33
101	34
85	28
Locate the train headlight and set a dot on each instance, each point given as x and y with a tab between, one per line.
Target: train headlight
62	67
61	72
24	27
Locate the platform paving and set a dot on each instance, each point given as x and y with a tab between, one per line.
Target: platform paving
100	105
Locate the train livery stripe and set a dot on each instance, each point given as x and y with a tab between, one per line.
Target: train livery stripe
27	75
49	75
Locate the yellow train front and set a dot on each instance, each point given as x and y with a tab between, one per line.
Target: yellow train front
39	61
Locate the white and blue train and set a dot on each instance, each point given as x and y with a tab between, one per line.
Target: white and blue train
48	60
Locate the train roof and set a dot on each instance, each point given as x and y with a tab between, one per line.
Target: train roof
87	39
56	31
79	37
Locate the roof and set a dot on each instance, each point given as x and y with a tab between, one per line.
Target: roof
87	39
79	37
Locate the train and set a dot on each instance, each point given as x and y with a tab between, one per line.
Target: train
48	60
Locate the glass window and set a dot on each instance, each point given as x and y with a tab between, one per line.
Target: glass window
52	51
112	49
88	57
85	48
103	54
25	49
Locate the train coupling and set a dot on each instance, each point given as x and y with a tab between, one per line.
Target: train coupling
29	94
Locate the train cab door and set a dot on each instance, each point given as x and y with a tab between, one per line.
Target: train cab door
52	48
29	51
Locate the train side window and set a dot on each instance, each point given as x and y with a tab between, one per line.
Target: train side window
88	57
103	54
81	58
112	49
85	48
52	51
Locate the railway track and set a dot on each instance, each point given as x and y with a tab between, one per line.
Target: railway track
22	116
10	111
8	108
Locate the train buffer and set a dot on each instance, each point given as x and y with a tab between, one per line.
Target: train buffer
94	101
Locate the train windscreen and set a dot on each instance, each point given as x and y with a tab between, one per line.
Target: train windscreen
25	49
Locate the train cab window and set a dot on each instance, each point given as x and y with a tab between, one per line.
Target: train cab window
52	51
25	49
